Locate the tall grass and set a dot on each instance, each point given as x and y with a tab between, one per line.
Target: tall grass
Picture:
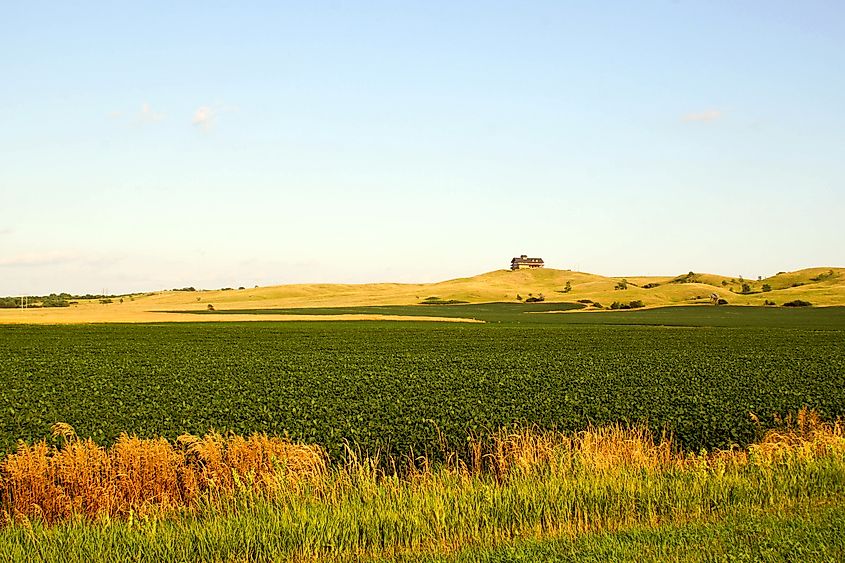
78	477
259	498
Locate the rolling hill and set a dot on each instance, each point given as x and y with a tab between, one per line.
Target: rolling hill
822	286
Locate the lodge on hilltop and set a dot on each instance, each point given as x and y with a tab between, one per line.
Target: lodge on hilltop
524	262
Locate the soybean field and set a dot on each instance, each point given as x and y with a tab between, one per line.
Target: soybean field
402	387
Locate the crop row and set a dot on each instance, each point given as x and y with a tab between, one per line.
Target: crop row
397	387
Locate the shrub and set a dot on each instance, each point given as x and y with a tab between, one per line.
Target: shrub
54	300
746	288
598	305
650	285
798	303
686	278
536	299
769	303
585	301
822	277
766	287
210	307
623	284
636	304
722	302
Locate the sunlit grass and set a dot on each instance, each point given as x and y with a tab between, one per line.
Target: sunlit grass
263	498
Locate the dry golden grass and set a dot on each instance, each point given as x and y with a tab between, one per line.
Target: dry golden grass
500	285
96	313
156	477
804	436
143	476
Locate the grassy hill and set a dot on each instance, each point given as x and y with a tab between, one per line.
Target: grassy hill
822	286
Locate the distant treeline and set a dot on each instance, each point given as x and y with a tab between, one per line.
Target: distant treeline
52	300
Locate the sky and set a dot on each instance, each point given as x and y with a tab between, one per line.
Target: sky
153	145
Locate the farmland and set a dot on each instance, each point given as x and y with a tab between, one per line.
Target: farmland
826	318
415	281
402	387
536	431
560	288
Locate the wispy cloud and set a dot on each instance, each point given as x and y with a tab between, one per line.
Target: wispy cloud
709	115
38	259
63	258
205	117
145	115
149	115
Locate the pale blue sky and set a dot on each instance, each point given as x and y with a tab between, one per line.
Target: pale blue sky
162	144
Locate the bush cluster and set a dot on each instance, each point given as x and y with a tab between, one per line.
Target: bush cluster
637	304
798	303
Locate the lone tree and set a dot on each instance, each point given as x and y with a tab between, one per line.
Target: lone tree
568	287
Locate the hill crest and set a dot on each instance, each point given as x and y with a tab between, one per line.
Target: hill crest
826	284
822	286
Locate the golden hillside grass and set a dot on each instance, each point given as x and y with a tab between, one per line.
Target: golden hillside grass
155	477
500	285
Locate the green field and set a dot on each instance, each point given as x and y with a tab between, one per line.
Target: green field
549	313
398	387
